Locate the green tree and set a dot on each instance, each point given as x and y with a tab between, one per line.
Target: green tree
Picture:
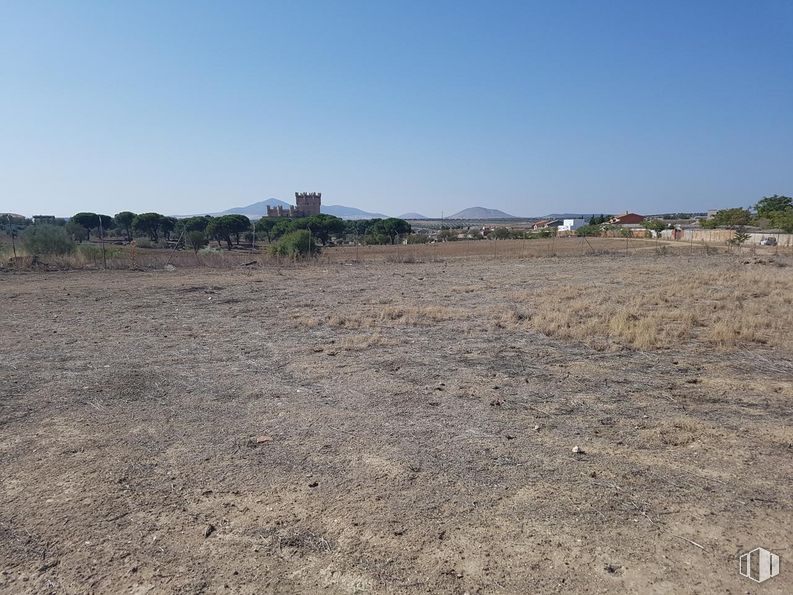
501	233
217	229
148	224
391	227
296	244
321	226
589	230
331	227
196	240
374	238
198	223
77	232
655	225
783	220
124	220
167	225
598	220
769	205
730	218
47	239
7	219
281	227
103	224
359	227
87	220
222	228
238	224
264	228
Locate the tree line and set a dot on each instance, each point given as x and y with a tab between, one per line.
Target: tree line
774	211
285	235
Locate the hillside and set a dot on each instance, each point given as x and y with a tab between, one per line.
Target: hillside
259	209
413	216
481	213
253	210
343	212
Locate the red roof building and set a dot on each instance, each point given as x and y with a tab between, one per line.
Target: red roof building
626	219
546	223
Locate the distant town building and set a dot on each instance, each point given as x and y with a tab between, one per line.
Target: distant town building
546	223
306	205
572	224
626	219
43	219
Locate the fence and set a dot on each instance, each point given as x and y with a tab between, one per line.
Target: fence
722	236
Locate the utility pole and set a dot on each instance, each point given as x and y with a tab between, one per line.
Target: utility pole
102	240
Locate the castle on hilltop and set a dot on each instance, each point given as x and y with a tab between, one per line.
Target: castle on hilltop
306	205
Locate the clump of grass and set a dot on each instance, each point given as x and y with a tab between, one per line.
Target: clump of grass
364	342
656	311
421	314
307	321
681	431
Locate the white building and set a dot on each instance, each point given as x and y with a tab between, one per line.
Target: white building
571	224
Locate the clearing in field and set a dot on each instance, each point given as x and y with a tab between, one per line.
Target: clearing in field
515	425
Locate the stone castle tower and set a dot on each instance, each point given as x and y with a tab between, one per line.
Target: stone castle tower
306	205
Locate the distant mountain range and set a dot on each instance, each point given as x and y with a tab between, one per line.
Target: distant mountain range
481	213
255	210
259	209
343	212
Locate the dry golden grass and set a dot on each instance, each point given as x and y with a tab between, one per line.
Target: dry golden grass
647	305
385	316
648	310
679	431
364	342
422	314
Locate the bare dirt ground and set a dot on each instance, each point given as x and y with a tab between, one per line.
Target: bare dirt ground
398	427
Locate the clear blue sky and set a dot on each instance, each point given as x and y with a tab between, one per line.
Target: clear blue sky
530	107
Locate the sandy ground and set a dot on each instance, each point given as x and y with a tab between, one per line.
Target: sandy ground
353	428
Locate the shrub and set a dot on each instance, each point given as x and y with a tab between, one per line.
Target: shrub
589	230
47	239
739	238
146	243
77	232
297	244
655	225
375	239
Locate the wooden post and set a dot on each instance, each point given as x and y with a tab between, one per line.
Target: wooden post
13	241
102	240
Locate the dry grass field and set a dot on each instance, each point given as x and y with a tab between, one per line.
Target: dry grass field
403	427
127	257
